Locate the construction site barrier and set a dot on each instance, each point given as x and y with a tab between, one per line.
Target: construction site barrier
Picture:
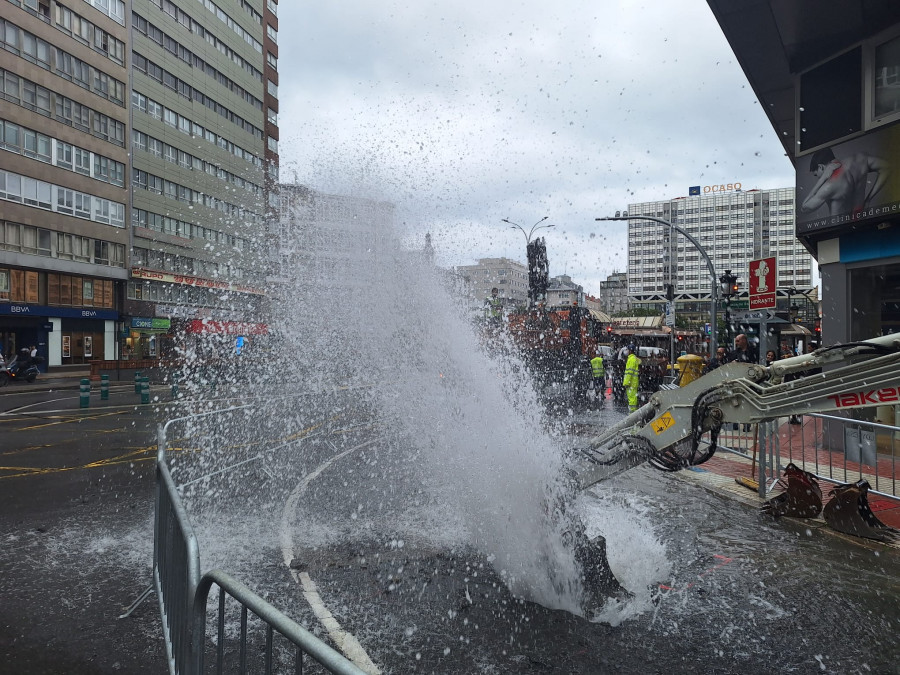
183	593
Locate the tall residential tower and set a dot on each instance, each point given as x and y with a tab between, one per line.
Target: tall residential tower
138	166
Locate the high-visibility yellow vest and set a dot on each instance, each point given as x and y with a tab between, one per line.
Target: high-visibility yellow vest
632	369
597	367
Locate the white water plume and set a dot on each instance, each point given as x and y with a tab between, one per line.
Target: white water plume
386	320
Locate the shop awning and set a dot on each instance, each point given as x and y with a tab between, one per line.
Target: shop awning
602	317
796	329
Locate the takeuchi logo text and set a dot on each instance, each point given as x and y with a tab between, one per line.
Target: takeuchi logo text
861	399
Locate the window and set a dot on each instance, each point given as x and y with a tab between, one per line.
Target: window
273	89
9	85
87	291
271	32
43	241
11	137
887	78
828	111
65	201
272	59
272	117
82	161
82	205
101	252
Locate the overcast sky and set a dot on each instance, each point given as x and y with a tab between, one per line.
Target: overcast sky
463	113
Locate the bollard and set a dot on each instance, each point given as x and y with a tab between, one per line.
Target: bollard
145	389
137	382
104	387
84	397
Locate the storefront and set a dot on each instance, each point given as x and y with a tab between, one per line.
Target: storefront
147	338
216	339
63	335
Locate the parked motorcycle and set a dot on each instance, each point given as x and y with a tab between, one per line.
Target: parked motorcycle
14	370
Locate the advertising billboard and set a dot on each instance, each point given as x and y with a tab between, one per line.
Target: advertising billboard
851	182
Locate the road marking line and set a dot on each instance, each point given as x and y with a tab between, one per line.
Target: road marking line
344	641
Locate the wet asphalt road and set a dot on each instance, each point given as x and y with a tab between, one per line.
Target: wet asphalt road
72	482
742	595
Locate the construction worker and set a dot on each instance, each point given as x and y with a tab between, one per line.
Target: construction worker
632	377
598	370
494	306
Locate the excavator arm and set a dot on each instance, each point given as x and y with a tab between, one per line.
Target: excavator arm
679	427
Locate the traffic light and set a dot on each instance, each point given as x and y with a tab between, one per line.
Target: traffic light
670	292
729	284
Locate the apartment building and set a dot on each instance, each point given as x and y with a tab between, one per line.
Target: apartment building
732	226
509	277
63	177
612	294
204	171
138	165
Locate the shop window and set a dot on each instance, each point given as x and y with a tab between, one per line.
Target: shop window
4	284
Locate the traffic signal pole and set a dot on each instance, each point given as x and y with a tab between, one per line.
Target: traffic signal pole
714	296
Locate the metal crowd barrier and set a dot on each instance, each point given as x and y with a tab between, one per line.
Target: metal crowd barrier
302	640
834	449
183	594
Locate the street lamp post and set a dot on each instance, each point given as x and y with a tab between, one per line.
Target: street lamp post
537	258
714	300
534	228
729	288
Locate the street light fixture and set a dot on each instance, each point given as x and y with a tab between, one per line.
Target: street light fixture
714	295
536	253
534	228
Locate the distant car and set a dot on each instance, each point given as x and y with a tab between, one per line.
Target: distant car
605	351
649	352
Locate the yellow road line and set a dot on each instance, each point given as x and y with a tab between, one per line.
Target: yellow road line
64	421
149	454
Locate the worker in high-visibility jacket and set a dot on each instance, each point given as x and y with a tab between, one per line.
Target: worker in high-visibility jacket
598	370
632	377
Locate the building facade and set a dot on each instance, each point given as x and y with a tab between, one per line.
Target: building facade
563	292
509	277
827	81
204	141
64	174
733	227
612	294
138	155
326	239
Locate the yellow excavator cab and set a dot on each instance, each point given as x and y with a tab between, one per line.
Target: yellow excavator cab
691	367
